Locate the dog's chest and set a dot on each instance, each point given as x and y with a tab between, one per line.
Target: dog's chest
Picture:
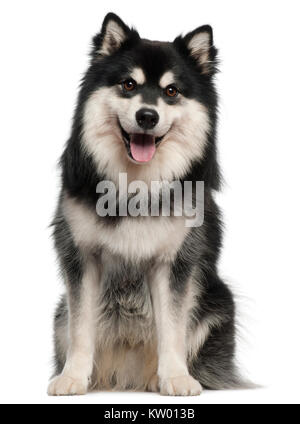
133	239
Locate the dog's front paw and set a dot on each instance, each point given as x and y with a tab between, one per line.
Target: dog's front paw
180	386
64	385
153	385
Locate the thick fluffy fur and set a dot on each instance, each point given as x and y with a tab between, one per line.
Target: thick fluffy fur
144	305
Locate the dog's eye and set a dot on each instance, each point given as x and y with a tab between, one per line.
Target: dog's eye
129	85
171	91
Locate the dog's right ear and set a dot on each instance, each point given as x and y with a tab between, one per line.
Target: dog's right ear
113	34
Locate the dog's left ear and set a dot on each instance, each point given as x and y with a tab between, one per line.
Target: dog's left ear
113	35
200	47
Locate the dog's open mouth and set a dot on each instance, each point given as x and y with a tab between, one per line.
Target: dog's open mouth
140	147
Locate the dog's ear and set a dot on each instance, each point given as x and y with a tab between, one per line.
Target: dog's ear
113	34
200	47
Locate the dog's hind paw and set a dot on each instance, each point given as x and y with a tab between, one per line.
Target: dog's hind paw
180	386
64	385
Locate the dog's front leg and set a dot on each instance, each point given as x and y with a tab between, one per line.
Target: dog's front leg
171	324
82	303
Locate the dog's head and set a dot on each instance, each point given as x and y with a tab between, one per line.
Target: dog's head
148	103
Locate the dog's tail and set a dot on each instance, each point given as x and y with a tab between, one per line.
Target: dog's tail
225	379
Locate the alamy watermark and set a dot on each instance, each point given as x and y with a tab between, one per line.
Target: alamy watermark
162	198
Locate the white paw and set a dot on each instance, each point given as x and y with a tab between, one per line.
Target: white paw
180	386
153	385
64	385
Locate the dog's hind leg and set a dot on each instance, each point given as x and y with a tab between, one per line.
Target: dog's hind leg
82	299
60	335
211	341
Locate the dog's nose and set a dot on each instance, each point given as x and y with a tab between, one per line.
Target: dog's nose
147	118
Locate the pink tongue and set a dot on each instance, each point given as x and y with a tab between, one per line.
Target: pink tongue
142	147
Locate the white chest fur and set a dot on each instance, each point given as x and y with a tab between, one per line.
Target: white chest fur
132	238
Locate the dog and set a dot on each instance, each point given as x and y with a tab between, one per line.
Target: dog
145	308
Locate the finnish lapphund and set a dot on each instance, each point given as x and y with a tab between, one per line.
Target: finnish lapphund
144	307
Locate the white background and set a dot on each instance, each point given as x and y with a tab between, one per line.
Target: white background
43	53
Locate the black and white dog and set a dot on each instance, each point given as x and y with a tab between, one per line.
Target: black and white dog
144	307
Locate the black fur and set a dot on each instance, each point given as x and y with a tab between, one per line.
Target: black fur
79	173
214	364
